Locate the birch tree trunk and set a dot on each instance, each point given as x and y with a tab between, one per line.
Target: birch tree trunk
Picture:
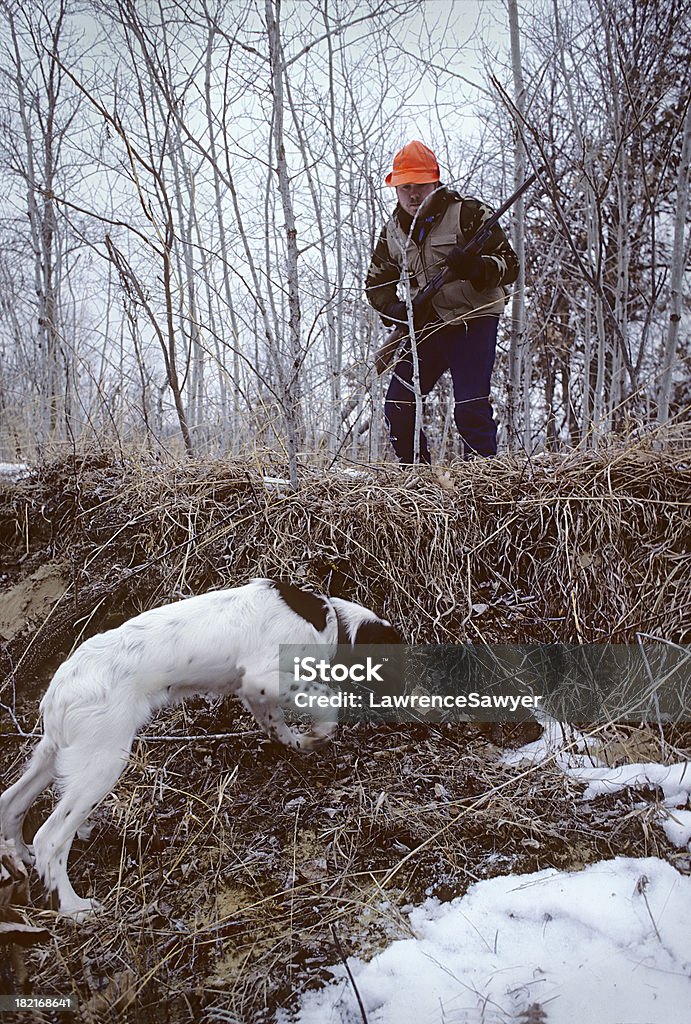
293	412
42	158
336	366
519	350
678	259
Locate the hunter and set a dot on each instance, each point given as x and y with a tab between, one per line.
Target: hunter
457	329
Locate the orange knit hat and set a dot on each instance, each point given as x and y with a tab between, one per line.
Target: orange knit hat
415	164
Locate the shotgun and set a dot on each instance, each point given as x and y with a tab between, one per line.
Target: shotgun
386	353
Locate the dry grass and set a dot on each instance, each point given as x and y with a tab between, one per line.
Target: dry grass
533	541
224	863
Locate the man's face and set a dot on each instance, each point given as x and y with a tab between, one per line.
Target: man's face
411	197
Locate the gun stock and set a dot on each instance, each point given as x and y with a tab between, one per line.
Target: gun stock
386	353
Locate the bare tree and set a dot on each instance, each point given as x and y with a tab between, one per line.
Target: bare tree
604	87
679	260
519	371
44	114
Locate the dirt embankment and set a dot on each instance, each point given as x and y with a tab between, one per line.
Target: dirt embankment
590	547
230	867
30	601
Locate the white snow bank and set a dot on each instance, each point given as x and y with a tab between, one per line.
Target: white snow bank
674	780
563	744
13	470
607	945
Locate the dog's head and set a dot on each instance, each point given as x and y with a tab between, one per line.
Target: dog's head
362	634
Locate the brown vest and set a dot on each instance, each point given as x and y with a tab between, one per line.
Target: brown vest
456	300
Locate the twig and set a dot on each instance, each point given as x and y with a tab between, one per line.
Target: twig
344	961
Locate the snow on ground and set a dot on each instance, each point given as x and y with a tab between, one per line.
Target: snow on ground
13	470
677	827
564	744
607	945
572	753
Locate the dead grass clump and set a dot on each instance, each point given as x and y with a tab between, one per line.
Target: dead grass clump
587	547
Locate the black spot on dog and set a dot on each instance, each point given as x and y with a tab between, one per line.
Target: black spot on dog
311	607
376	632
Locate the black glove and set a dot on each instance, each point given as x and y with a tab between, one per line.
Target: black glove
466	267
398	312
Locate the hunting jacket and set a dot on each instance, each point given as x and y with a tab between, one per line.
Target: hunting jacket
450	220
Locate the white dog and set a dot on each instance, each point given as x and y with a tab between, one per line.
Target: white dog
222	642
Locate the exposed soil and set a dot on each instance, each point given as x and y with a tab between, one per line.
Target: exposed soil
30	601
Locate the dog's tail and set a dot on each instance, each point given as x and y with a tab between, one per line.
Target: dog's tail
359	625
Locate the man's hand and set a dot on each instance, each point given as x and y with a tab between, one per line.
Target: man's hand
466	267
398	313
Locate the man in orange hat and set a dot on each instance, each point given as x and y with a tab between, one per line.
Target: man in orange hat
457	328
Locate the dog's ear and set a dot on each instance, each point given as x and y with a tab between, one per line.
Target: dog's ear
376	631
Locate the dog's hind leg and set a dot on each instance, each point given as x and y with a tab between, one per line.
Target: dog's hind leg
16	801
89	772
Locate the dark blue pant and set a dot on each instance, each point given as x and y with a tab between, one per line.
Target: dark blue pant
468	351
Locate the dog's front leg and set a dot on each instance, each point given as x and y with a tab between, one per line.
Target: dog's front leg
266	698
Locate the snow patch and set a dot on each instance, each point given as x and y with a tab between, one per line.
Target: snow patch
13	470
562	743
602	946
